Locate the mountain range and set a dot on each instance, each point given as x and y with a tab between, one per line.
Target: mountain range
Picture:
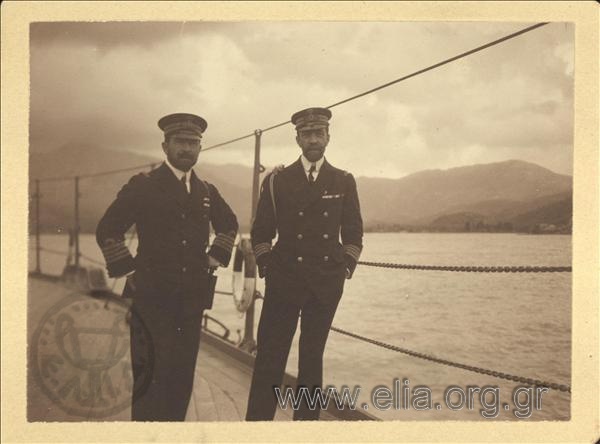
504	196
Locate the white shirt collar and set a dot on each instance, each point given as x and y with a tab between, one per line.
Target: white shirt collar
307	163
179	174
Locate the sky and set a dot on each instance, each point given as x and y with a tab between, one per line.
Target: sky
108	83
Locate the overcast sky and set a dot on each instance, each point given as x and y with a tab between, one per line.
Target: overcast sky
109	83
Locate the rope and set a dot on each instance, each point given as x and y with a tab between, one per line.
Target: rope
471	368
385	85
470	269
444	62
227	142
122	170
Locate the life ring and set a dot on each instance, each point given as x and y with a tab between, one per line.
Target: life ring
244	276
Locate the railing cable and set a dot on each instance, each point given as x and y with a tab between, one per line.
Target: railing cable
469	268
442	63
471	368
370	91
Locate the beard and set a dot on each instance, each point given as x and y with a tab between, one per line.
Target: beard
182	162
313	153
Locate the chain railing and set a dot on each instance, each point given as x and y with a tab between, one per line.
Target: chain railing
470	268
258	168
471	368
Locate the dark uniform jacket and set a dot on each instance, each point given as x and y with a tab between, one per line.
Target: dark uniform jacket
171	266
309	220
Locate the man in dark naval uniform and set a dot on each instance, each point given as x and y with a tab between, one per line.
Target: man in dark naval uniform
169	279
309	205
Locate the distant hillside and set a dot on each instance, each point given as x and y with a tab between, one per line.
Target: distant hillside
508	216
512	192
97	193
463	221
554	217
558	214
421	197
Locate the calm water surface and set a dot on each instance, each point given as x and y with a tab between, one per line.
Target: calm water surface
516	323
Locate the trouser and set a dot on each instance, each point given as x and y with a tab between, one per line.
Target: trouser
276	329
163	357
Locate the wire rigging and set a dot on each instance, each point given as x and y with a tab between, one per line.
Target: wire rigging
370	91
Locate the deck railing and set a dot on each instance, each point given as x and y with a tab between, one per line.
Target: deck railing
74	253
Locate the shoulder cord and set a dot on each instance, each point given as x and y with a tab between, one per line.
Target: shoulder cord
272	190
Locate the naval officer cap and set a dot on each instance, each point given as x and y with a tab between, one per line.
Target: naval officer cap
182	122
311	118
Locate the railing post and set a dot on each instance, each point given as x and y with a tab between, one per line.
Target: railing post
76	227
37	196
256	175
248	342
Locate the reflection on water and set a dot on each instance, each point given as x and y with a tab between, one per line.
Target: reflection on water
516	323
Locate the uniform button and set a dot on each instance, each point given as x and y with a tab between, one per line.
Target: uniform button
325	258
325	236
325	214
300	259
184	242
184	269
300	236
301	213
183	215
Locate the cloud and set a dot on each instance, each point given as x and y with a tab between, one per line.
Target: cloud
110	82
106	36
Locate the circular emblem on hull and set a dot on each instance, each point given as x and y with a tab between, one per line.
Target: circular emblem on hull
80	356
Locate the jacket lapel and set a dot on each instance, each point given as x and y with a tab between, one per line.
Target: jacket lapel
304	193
322	184
198	190
299	183
170	185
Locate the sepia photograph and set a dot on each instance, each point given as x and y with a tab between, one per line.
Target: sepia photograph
344	221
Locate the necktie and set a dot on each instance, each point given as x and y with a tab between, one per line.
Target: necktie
184	182
311	178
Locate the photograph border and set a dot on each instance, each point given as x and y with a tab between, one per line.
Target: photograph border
584	423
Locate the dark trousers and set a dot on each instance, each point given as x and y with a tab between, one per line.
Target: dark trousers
276	329
164	349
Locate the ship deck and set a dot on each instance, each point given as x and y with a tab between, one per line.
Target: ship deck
221	383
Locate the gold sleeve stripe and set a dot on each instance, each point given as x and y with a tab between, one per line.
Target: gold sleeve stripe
226	237
261	249
225	248
222	245
116	256
229	235
224	241
113	247
352	251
